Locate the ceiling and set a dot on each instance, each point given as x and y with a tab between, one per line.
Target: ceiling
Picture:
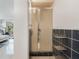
42	0
42	3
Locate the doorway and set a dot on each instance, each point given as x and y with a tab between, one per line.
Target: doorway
45	42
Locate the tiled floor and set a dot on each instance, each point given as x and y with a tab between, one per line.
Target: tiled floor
10	47
6	52
60	57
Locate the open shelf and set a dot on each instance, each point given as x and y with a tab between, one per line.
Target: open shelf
69	39
59	48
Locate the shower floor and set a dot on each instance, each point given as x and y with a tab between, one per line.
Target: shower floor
48	57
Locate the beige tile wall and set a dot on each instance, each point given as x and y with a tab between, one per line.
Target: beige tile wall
34	43
46	30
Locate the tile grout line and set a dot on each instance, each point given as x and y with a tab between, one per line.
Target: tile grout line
71	42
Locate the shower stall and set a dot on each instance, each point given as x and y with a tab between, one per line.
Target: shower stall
40	29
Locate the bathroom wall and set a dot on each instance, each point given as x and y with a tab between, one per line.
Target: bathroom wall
66	14
21	29
66	20
6	9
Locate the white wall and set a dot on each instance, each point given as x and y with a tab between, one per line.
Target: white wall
19	9
21	29
6	13
6	9
66	14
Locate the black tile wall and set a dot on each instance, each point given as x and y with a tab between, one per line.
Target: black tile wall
56	31
49	53
56	43
61	32
70	42
67	52
68	33
76	46
66	42
76	34
75	55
